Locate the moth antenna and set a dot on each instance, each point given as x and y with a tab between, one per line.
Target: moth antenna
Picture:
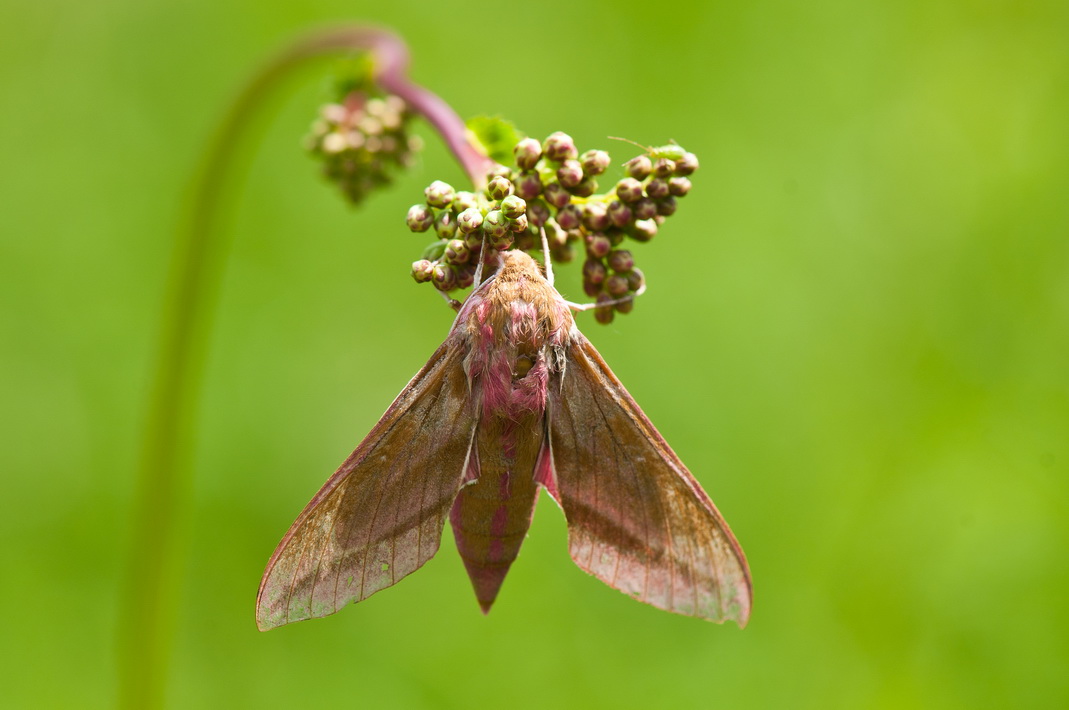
479	267
623	299
545	257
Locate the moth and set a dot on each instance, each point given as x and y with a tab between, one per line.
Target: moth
516	399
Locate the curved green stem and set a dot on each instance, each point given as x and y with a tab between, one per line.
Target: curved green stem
149	607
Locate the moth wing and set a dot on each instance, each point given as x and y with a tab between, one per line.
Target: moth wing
380	516
637	519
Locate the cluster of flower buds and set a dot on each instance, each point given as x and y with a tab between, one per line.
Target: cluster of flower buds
362	140
553	187
464	223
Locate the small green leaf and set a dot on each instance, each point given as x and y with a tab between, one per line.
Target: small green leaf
434	251
496	135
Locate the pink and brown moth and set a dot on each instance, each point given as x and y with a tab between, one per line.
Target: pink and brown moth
515	399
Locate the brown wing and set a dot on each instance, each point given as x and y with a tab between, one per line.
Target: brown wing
380	516
637	519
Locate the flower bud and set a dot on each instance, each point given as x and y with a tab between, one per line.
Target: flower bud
456	252
528	185
598	245
615	235
629	190
445	224
463	201
644	209
537	213
679	186
421	270
644	230
420	218
656	189
620	260
616	285
639	167
443	277
513	206
570	173
556	195
625	306
667	206
498	171
465	275
439	194
664	167
563	254
570	216
635	280
519	224
604	313
499	188
503	242
619	213
470	220
556	236
496	226
474	241
591	289
524	241
687	164
586	188
596	216
560	146
595	162
527	152
594	271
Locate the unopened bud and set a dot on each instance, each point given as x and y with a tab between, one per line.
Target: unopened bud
445	224
570	216
639	167
616	285
619	213
656	189
664	167
678	186
560	146
598	245
644	230
463	201
443	277
687	164
635	279
644	209
465	275
439	194
595	162
470	220
570	173
537	213
586	188
419	218
666	207
629	190
513	206
563	254
496	226
621	260
556	195
457	252
527	152
499	188
519	224
421	270
528	185
603	313
596	216
594	271
625	306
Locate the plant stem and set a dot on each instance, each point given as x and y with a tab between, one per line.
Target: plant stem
150	604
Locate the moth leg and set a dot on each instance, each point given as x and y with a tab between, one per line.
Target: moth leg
479	267
624	299
453	303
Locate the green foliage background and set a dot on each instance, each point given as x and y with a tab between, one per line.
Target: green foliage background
867	369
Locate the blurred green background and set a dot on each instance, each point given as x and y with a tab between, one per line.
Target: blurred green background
869	375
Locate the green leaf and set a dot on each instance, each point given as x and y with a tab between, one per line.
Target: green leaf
496	135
